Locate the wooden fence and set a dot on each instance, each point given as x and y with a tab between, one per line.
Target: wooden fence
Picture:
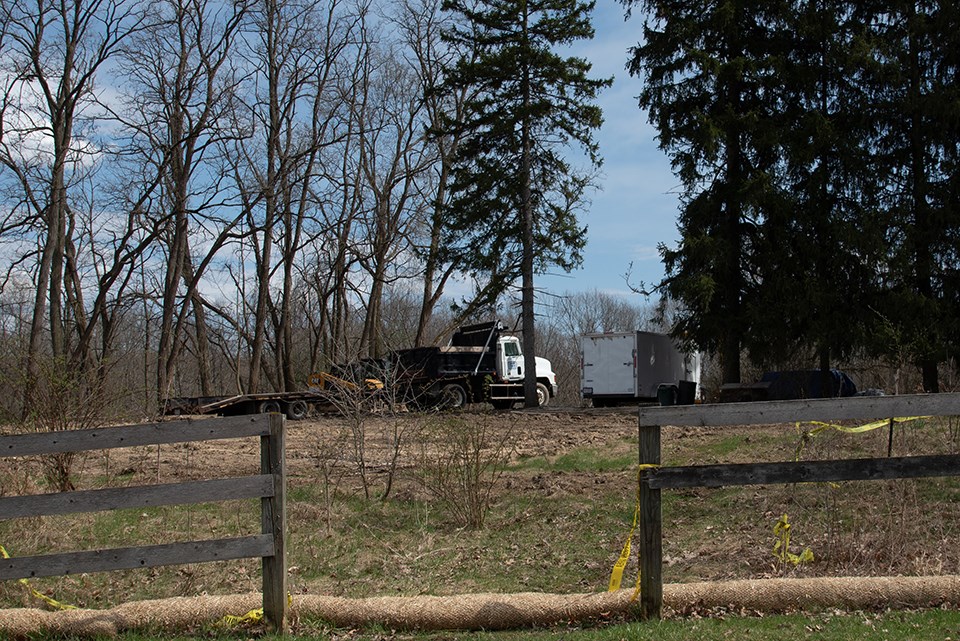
653	477
269	486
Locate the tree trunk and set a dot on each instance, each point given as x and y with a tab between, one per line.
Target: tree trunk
526	268
200	320
919	190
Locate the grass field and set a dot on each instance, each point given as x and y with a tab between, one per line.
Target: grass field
560	511
927	625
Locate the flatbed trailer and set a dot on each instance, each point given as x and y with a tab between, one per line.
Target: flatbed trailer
295	405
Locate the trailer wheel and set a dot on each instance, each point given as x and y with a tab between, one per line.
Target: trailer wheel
297	410
269	407
543	395
453	396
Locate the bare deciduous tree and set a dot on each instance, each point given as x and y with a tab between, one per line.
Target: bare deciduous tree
178	112
419	23
393	158
293	109
53	53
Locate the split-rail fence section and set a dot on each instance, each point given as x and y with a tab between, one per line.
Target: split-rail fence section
269	486
654	477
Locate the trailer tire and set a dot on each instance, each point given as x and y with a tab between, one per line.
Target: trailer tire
297	410
453	396
269	407
543	395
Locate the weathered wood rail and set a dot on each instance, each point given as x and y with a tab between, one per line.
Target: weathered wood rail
269	486
653	477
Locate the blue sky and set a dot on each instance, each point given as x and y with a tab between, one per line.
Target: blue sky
636	208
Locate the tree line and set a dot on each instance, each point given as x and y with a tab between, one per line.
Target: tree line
203	197
817	145
234	194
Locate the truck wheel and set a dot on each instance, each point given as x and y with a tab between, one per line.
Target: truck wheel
453	396
269	407
543	395
297	410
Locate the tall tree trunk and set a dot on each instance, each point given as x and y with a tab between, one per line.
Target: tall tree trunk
38	320
526	269
370	339
167	342
47	303
202	333
919	191
265	251
732	277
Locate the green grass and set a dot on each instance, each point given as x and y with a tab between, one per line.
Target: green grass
923	625
916	626
726	446
939	490
584	459
407	547
933	625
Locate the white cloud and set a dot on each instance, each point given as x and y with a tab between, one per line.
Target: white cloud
27	129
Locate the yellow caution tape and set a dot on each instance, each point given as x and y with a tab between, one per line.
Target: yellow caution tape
53	603
781	549
252	617
616	576
806	435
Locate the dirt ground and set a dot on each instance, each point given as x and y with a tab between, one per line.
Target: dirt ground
884	523
546	434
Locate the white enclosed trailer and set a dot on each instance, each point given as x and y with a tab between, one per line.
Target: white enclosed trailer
631	367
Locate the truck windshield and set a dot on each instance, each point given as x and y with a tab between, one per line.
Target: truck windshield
511	349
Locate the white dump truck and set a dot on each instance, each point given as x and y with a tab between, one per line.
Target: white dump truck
634	367
482	364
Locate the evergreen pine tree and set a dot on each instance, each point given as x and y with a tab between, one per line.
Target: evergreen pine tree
914	92
710	91
515	193
821	245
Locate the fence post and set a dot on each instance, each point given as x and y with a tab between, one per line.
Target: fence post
274	521
651	541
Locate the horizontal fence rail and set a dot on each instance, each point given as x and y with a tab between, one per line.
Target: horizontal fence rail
244	487
269	486
654	477
867	469
185	431
814	409
146	556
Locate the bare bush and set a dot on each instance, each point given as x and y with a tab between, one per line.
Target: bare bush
353	402
460	461
330	475
372	416
63	401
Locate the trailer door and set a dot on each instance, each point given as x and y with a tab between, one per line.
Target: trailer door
609	365
659	361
